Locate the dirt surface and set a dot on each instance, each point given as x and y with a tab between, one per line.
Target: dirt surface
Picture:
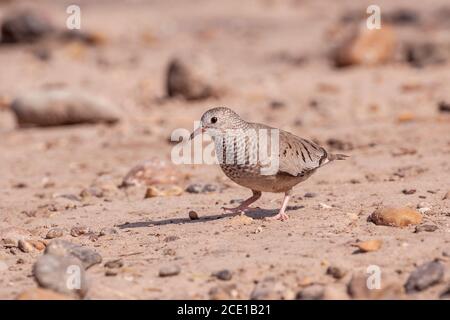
273	61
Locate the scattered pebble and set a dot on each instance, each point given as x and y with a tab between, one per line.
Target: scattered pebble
324	206
154	191
38	245
78	231
193	215
444	106
169	271
86	255
426	227
395	216
312	292
114	264
336	272
369	246
24	27
202	188
310	195
25	246
92	192
108	231
425	276
54	233
57	107
10	236
409	191
224	275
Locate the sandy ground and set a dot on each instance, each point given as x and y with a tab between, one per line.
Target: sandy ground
360	106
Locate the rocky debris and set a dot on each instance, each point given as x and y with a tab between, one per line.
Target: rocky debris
366	47
41	294
224	292
193	215
25	246
24	27
87	256
444	106
79	231
422	54
169	271
92	191
336	272
57	107
358	288
63	274
408	191
168	191
224	275
155	171
192	77
340	145
241	220
271	289
395	216
10	236
54	233
426	228
426	275
310	195
114	264
202	188
369	246
312	292
423	207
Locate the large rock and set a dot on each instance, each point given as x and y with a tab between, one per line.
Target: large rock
366	47
192	77
426	275
57	107
63	274
24	27
85	255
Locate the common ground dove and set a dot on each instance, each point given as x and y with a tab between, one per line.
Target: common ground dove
261	158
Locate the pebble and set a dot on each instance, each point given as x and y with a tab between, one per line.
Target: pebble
114	264
310	195
192	77
444	106
193	215
25	246
395	216
154	191
224	275
202	188
409	191
108	231
423	207
59	273
78	231
271	289
169	271
10	236
336	272
425	227
366	47
312	292
86	255
54	233
422	54
369	246
424	276
58	107
92	192
154	171
24	27
39	245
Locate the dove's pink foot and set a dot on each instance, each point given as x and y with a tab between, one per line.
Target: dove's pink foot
244	206
282	216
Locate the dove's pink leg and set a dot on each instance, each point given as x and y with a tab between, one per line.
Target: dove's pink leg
281	215
244	206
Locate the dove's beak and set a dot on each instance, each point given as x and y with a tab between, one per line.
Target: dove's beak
196	132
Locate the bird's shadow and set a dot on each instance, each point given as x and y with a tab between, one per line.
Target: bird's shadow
256	213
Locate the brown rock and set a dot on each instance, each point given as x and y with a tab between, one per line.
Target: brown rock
358	289
154	191
193	215
10	236
426	228
152	172
426	275
395	216
41	294
336	272
169	271
78	231
368	246
54	233
366	47
25	246
192	77
39	245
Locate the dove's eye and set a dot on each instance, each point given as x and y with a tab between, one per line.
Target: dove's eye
213	119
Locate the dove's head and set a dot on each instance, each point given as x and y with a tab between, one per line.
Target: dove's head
217	121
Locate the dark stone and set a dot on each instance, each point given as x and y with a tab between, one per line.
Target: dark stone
426	275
